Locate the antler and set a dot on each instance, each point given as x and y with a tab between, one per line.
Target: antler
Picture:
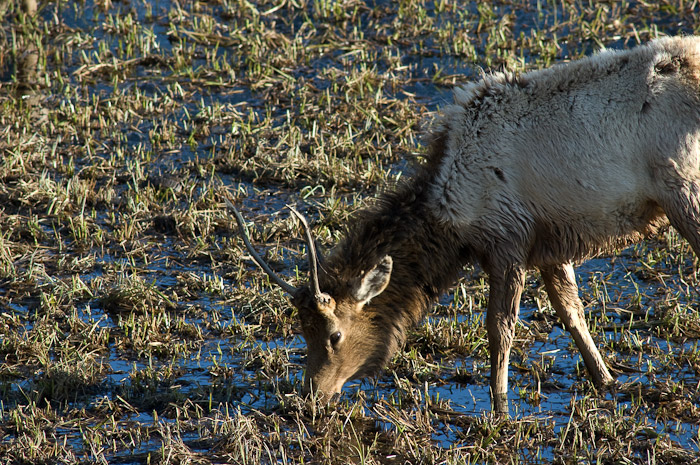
321	297
288	288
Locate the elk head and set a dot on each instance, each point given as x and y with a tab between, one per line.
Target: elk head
344	340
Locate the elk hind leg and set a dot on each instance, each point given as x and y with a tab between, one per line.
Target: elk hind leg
560	283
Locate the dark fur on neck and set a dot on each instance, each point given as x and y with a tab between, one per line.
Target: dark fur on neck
427	254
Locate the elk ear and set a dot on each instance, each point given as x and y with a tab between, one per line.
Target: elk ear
374	281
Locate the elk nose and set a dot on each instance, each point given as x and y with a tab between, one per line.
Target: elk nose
322	394
311	387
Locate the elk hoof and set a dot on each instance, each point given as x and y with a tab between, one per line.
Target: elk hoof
499	404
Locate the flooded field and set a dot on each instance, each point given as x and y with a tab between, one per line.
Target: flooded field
136	329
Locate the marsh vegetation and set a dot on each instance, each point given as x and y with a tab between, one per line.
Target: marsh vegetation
134	328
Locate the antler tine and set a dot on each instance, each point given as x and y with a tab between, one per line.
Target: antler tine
321	297
288	288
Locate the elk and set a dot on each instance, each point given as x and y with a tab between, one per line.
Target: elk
533	171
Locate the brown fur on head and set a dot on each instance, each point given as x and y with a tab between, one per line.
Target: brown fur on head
377	283
344	340
383	276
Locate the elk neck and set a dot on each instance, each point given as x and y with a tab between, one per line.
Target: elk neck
427	254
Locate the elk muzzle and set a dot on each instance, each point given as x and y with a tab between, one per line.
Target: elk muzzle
323	389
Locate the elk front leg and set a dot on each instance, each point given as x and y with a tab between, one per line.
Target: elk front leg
682	206
506	286
560	283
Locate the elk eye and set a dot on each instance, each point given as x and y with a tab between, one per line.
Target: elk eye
335	337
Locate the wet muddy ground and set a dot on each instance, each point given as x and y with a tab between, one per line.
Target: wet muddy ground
134	327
